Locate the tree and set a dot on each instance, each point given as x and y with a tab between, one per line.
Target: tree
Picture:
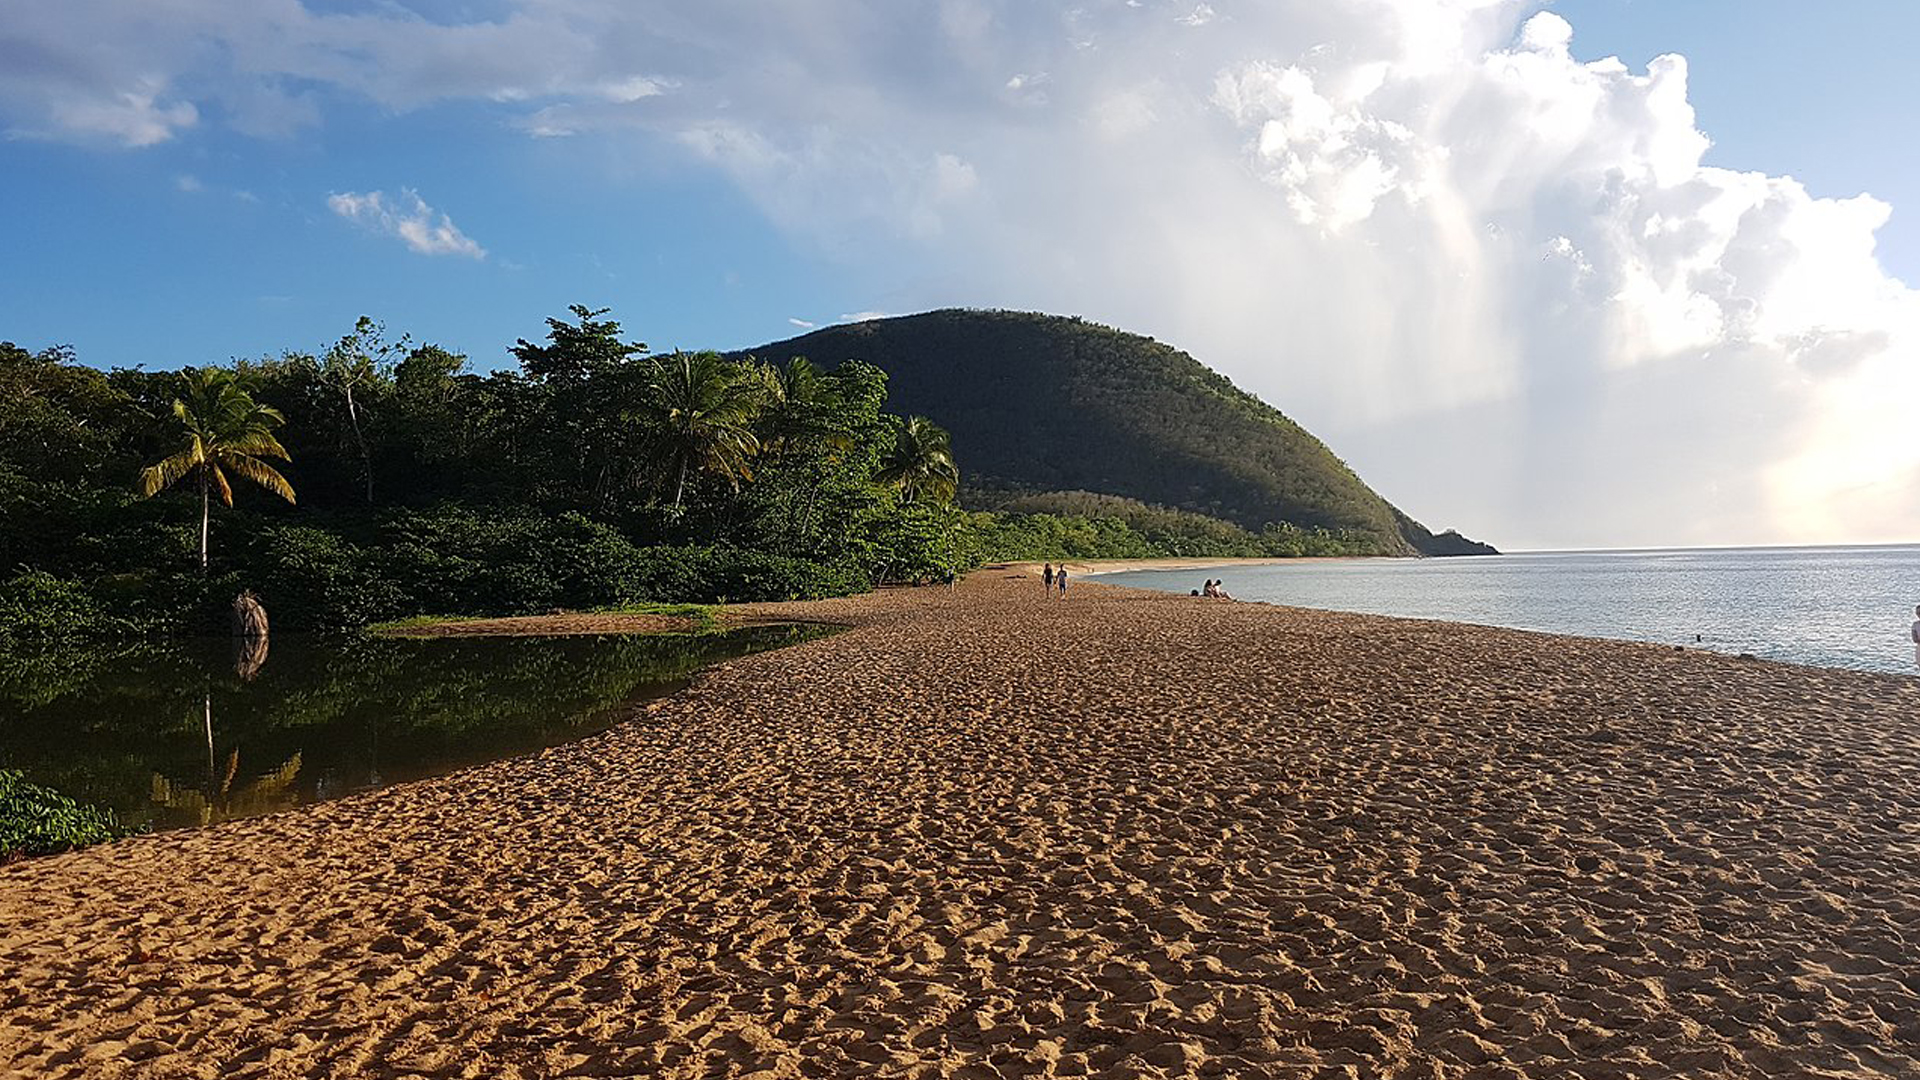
358	363
586	376
226	432
921	463
702	416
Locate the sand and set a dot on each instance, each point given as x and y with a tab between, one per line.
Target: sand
1099	567
993	834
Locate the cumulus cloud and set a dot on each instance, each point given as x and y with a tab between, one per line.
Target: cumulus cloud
407	217
1495	274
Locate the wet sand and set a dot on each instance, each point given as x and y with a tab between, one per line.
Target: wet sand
991	833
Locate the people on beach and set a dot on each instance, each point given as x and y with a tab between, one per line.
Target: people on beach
1060	575
1219	590
1207	589
1212	588
1048	575
1916	635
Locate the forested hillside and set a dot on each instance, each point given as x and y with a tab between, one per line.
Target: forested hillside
1045	404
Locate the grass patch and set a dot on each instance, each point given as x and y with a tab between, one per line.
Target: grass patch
702	616
707	615
415	621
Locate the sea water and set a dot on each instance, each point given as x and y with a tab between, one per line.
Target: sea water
1849	607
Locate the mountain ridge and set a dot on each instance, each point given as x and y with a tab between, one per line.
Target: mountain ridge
1049	403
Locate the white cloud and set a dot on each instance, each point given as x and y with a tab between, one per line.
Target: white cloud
408	217
803	324
132	117
629	90
1201	15
1495	276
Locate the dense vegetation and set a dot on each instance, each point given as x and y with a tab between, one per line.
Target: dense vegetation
1044	404
594	475
1082	525
35	820
378	478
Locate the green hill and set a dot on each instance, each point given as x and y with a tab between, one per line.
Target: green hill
1044	404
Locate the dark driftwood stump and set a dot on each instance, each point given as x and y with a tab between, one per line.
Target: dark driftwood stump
249	635
249	618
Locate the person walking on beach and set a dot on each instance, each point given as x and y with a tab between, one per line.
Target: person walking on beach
1061	576
1916	635
1048	575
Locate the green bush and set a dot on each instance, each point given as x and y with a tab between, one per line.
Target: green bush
39	607
40	821
721	575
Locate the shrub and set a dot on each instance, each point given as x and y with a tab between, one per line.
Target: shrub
37	606
721	575
40	821
313	579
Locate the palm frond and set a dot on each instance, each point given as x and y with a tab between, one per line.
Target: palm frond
157	478
259	443
261	473
218	479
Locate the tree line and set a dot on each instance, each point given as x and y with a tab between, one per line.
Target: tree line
379	478
392	479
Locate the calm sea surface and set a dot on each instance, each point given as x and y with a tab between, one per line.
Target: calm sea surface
1845	607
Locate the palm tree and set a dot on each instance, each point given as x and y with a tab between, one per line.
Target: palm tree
226	432
801	409
921	463
703	416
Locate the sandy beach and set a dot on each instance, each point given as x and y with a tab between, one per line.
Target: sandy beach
991	833
1098	567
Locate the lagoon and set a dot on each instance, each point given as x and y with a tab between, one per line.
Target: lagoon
193	732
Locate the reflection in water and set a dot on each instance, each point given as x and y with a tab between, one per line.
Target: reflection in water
182	734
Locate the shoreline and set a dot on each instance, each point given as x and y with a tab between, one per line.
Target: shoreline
1101	567
985	831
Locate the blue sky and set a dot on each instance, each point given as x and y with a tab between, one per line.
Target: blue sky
1821	92
1521	294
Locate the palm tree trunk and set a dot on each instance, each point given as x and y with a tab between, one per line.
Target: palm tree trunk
203	519
680	488
366	459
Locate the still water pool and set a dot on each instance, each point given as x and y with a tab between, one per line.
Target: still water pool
188	733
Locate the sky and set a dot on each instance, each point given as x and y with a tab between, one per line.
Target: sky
1586	273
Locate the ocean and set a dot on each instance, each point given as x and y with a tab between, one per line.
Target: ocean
1847	607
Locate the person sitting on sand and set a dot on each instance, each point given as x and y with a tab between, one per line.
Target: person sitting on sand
1208	589
1220	591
